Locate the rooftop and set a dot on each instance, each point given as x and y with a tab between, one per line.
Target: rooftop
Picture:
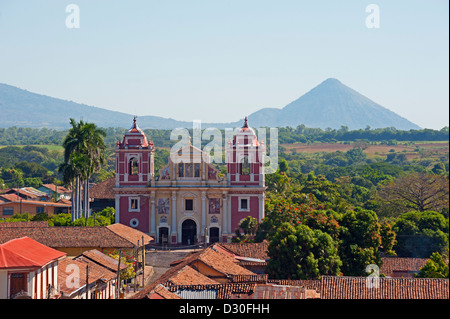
131	234
64	237
25	252
103	190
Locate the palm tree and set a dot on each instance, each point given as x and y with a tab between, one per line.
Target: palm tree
84	154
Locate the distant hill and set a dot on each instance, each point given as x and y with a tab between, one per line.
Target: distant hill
330	104
22	108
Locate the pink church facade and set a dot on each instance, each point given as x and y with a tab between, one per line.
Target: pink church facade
189	201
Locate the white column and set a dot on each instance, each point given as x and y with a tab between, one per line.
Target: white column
174	213
152	214
261	207
117	207
229	215
203	213
225	213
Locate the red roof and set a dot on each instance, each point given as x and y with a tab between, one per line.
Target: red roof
26	252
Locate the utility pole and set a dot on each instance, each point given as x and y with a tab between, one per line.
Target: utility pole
87	281
118	275
206	235
143	262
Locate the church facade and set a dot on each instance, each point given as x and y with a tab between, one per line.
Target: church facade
190	201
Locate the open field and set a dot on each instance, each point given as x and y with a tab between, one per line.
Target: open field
50	147
411	150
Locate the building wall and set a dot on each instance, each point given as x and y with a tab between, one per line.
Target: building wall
175	185
3	284
25	208
138	218
275	292
37	281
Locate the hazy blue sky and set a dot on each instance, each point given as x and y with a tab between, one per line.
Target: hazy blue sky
219	60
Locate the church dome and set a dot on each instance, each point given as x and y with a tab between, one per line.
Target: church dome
246	136
135	137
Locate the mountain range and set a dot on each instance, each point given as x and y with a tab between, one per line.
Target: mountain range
331	104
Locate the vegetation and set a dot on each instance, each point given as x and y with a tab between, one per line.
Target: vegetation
84	153
434	268
103	218
340	200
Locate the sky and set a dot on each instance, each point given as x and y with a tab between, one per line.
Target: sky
220	60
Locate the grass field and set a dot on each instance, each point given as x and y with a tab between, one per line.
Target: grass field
411	150
50	147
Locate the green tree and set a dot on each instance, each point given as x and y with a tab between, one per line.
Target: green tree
360	239
84	154
434	268
302	253
419	234
248	225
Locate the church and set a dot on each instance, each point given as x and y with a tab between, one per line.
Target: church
189	201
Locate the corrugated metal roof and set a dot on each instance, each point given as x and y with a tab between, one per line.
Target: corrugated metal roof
197	294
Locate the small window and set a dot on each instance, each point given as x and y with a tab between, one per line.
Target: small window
134	204
8	211
134	166
189	169
244	204
196	170
245	166
189	204
181	170
39	209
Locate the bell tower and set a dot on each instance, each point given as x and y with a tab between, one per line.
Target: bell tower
245	175
245	158
134	158
134	171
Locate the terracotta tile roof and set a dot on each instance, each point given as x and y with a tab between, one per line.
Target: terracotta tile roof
10	198
220	262
257	278
167	275
66	268
24	224
63	237
309	284
393	264
223	291
31	202
65	201
59	189
161	292
26	192
250	250
101	259
187	275
103	190
389	288
131	234
26	252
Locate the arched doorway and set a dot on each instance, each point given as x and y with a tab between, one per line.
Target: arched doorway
213	235
163	235
188	232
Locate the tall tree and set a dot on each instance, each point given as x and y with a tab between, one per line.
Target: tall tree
84	153
298	252
417	191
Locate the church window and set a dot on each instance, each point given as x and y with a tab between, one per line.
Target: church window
180	170
134	204
134	166
245	166
244	204
189	204
196	170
